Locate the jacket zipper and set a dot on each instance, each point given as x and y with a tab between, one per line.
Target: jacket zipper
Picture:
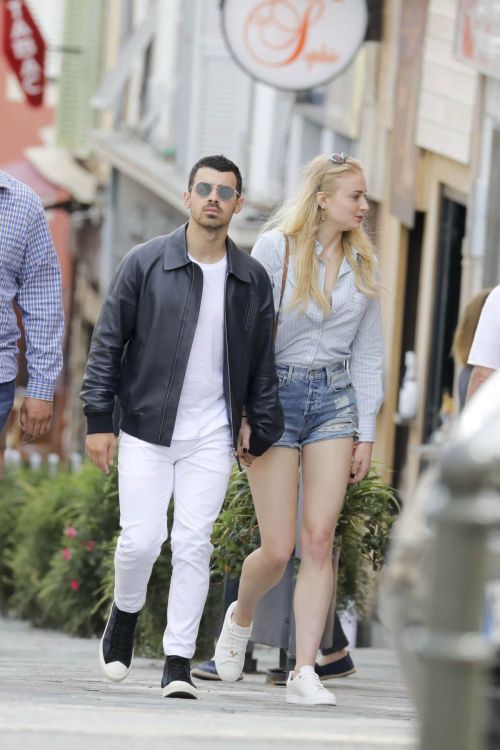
233	451
183	321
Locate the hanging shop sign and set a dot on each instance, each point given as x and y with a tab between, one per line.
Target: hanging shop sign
478	35
294	44
24	48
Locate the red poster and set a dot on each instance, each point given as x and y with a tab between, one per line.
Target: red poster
24	48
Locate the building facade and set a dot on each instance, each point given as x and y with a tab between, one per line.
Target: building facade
158	88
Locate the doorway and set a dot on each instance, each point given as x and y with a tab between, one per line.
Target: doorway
446	308
409	327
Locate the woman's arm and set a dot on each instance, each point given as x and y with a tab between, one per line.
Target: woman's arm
367	370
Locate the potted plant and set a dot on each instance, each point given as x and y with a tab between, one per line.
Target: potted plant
363	530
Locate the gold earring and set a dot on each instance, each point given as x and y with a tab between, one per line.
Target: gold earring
325	209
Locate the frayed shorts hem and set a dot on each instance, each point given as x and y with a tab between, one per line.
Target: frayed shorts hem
316	439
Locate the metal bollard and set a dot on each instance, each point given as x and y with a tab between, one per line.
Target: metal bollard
13	460
75	462
53	462
35	461
466	508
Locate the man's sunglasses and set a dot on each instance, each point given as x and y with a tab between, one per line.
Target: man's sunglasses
224	192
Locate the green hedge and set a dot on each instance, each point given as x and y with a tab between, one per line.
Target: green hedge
58	535
57	541
363	531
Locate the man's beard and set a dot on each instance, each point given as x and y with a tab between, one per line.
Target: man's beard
208	222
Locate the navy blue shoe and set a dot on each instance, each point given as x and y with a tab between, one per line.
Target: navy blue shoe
340	668
207	671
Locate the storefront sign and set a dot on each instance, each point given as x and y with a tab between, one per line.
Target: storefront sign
478	35
294	44
24	49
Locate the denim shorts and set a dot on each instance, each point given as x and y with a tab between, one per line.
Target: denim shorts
318	404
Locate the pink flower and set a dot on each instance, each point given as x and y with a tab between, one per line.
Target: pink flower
70	532
73	584
66	554
90	545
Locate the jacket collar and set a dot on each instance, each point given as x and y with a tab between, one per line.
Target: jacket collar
175	254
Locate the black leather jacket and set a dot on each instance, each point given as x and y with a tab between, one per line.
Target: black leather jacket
142	340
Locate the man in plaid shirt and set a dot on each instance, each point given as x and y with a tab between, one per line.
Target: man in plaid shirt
29	274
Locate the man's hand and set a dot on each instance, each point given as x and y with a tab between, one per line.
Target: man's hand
245	457
361	459
100	448
35	418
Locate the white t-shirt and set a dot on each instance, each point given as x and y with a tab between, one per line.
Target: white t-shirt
485	349
202	407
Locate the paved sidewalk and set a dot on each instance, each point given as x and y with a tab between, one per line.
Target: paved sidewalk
53	697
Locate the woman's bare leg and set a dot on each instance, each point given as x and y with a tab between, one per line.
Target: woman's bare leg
325	470
273	480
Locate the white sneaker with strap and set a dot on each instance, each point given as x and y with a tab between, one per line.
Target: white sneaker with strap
306	688
230	649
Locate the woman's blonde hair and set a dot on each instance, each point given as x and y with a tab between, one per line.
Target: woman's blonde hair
466	327
300	218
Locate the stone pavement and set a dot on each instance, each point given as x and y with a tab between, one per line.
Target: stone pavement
53	697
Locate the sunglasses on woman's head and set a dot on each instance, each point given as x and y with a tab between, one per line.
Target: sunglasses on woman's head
339	158
224	192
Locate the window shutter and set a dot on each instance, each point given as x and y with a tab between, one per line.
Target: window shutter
213	92
280	126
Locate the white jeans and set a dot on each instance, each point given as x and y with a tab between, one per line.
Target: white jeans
196	472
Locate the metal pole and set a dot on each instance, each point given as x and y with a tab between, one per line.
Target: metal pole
455	653
466	505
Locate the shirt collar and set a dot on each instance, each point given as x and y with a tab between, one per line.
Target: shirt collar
345	266
5	180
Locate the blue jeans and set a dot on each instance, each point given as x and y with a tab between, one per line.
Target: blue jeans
317	404
7	392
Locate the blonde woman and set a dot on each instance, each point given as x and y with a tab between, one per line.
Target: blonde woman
329	362
463	338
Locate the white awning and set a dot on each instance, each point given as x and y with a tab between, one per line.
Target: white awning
59	167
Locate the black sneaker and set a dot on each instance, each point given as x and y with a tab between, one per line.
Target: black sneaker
117	644
176	681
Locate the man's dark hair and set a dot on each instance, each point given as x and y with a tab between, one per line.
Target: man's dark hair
221	164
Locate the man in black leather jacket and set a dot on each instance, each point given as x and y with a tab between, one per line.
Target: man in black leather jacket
185	340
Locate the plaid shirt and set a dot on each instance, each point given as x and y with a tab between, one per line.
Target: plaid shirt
29	274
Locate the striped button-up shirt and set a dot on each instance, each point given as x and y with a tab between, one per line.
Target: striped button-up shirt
351	332
29	274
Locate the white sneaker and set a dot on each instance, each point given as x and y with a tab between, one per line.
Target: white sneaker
230	649
307	689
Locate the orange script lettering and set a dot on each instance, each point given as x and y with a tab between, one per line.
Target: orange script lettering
276	31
